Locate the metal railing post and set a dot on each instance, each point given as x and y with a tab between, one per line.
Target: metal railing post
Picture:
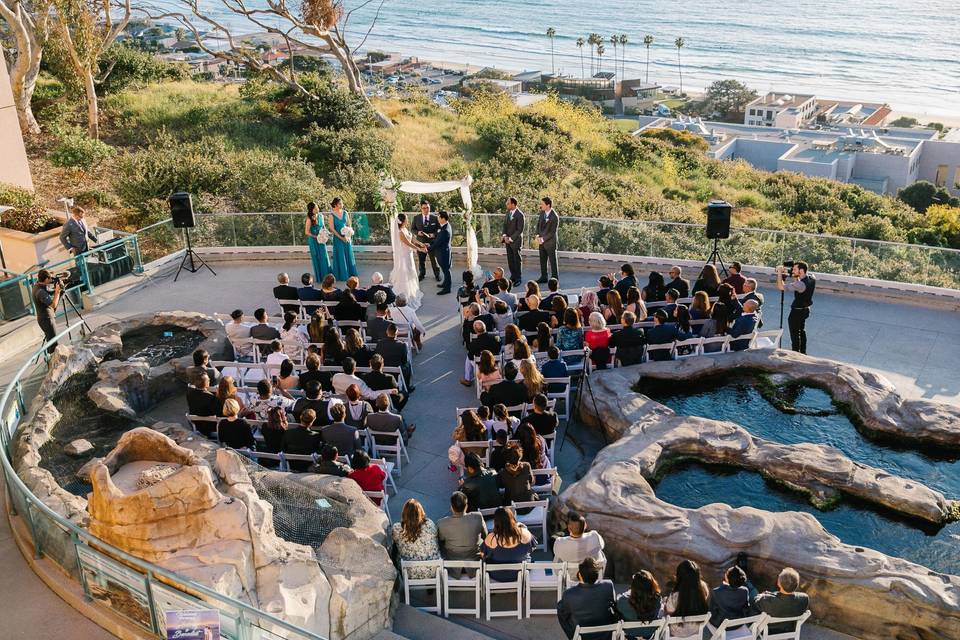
151	604
83	577
138	266
37	547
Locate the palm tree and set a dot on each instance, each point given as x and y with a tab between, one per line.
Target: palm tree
614	40
580	43
594	39
647	41
600	50
551	32
678	43
623	55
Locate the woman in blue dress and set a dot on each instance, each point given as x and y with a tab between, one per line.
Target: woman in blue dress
344	264
318	250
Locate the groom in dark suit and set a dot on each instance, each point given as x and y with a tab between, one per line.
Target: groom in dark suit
440	247
425	227
547	224
512	240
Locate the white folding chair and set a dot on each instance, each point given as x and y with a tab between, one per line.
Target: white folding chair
584	633
551	440
745	341
462	581
700	621
652	630
706	344
766	634
739	628
545	481
382	497
544	576
537	517
491	586
694	348
387	467
659	349
477	444
767	339
214	420
561	393
396	450
433	567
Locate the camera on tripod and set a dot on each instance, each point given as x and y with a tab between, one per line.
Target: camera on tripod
61	277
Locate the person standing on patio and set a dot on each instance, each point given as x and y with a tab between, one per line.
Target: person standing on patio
317	242
338	225
74	234
512	239
548	224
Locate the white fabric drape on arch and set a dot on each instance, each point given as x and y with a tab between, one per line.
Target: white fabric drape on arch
473	251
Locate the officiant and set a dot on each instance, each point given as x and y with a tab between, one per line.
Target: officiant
425	228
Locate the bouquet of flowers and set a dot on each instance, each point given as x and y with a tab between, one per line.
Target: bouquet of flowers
347	232
323	237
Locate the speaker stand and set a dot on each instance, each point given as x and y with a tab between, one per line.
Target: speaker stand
715	256
196	260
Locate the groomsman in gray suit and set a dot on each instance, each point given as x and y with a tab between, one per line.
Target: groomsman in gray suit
512	240
547	224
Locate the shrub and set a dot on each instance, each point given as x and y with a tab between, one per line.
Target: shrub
922	194
77	150
26	215
330	150
683	139
133	67
264	181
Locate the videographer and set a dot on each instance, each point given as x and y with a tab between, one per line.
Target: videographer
46	297
802	285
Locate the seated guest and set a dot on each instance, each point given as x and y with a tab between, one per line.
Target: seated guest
286	378
634	303
590	302
598	335
533	446
340	434
378	380
202	402
293	335
785	602
355	348
348	377
579	545
272	432
369	476
503	293
501	420
718	326
750	289
201	364
498	451
726	295
511	336
670	297
557	309
479	484
312	400
543	421
656	288
627	279
234	431
385	421
606	285
516	477
317	326
348	309
416	538
481	341
677	282
377	285
329	465
262	330
533	289
267	399
543	339
396	354
406	317
510	542
731	599
283	291
328	289
301	440
470	314
554	367
553	286
461	533
681	316
744	325
358	409
465	293
708	281
359	293
377	325
628	341
490	287
508	391
237	330
532	379
529	320
642	603
614	308
309	295
488	370
312	372
522	352
689	597
701	306
227	389
502	315
591	602
735	279
663	332
276	355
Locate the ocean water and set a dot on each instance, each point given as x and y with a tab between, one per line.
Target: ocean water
903	52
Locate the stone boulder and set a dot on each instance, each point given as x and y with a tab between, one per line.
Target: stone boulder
78	448
121	387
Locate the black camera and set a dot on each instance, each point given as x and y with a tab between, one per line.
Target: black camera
788	264
61	277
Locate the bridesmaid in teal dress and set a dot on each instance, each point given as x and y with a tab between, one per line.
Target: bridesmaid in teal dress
318	250
344	264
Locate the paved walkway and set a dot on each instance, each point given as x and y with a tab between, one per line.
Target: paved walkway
916	348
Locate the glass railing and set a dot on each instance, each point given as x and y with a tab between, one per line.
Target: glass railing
137	591
15	299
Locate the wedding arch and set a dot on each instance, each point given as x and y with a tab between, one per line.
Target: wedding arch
389	189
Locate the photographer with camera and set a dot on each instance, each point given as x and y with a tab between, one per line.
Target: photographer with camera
46	297
802	285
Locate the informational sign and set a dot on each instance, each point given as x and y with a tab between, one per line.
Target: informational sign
193	624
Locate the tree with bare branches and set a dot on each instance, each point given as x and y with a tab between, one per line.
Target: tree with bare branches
85	30
27	22
319	26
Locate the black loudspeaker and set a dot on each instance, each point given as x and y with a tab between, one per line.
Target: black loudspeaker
718	219
181	210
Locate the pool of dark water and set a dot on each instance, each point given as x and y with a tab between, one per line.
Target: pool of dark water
811	417
159	343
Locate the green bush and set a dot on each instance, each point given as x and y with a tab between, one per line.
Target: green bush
26	215
331	150
264	181
77	150
133	67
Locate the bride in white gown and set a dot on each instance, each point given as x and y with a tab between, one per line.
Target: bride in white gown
404	276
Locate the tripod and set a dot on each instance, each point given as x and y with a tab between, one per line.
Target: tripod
715	256
67	305
196	261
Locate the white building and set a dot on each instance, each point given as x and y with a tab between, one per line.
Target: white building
883	160
782	110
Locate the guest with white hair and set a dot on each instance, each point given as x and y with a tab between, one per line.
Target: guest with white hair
598	335
377	284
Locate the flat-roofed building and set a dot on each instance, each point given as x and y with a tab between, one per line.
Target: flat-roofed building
783	110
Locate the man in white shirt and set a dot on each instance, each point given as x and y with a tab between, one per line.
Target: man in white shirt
347	377
403	316
276	353
578	546
237	332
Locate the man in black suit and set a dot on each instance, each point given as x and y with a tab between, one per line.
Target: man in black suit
283	291
308	294
301	440
263	331
677	282
508	392
380	381
480	484
529	320
377	325
396	354
377	285
425	228
339	434
481	341
512	239
312	400
547	225
202	402
628	341
553	286
440	251
590	603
